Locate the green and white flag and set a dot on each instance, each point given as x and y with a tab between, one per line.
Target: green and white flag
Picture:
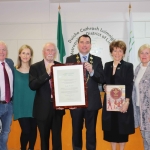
131	49
60	40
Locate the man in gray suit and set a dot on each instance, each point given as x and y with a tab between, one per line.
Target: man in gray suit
6	90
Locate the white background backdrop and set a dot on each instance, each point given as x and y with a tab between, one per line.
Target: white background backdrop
35	22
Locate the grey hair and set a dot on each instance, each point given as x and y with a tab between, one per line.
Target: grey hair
50	43
3	43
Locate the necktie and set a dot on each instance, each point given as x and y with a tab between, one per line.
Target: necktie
7	85
84	58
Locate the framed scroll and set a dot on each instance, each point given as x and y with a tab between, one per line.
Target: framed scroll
69	85
115	97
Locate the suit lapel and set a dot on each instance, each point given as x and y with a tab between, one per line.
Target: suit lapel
10	64
43	68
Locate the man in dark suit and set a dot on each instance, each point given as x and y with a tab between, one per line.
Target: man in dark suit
47	117
95	75
6	90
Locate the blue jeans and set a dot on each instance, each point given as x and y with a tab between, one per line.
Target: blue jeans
6	111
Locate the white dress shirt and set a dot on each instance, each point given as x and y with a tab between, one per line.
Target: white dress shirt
82	60
2	80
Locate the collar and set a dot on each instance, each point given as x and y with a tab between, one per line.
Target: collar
46	62
81	55
3	61
141	65
120	63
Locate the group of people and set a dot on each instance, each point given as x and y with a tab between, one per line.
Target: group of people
25	93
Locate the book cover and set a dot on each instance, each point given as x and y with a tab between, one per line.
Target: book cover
115	97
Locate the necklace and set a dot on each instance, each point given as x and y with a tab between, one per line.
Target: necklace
91	62
25	67
114	65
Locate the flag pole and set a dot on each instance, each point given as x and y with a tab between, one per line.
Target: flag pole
59	8
129	8
131	55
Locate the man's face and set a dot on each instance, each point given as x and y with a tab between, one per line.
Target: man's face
3	52
49	52
84	45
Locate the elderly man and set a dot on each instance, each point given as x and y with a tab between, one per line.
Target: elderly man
6	90
47	117
95	75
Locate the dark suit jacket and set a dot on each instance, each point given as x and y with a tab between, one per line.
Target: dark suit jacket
39	81
10	63
123	76
94	100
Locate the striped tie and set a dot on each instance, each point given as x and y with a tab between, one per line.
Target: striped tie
84	57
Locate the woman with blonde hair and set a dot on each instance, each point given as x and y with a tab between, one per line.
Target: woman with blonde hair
141	94
23	98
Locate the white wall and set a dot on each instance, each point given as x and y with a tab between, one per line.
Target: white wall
35	23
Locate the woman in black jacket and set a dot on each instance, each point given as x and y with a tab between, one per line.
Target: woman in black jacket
117	125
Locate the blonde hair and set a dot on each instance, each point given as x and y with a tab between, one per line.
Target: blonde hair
19	59
145	46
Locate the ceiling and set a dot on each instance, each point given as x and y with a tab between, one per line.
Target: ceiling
70	1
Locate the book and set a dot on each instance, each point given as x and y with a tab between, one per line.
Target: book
115	97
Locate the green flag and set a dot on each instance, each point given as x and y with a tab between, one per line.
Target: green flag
60	40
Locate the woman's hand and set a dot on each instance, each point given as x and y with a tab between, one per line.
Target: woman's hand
125	106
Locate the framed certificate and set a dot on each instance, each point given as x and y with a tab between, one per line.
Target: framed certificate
115	97
69	85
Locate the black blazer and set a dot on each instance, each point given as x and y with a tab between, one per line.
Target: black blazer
39	81
123	76
94	100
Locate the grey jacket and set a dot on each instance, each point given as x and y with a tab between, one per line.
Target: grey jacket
144	94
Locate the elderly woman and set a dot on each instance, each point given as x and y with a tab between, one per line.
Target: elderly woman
141	94
117	125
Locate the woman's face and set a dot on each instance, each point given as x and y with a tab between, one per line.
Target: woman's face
145	56
117	54
25	55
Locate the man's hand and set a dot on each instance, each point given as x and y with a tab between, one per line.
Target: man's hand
59	108
88	67
72	108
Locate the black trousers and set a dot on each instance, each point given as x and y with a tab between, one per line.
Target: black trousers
53	123
28	132
78	115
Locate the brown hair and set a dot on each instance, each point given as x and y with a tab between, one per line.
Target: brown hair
19	59
84	35
117	44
